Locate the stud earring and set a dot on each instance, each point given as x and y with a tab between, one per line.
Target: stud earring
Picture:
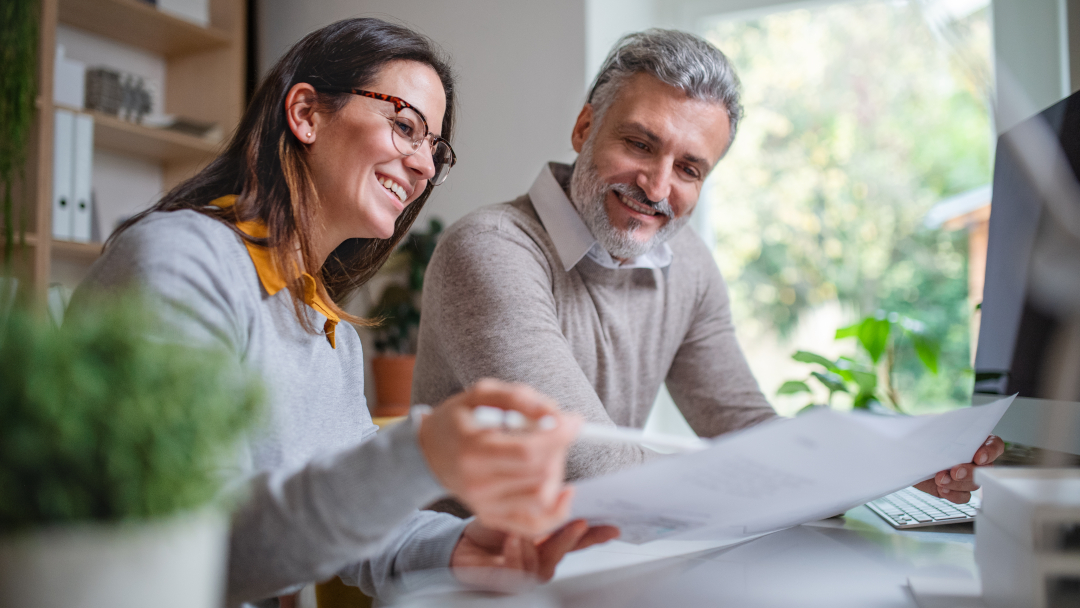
309	134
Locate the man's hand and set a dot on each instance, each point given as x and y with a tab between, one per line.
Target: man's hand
511	481
481	549
957	484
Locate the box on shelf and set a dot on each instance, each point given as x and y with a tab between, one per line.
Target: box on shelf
69	78
195	11
119	94
73	158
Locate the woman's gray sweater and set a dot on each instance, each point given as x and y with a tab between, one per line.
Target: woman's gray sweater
325	494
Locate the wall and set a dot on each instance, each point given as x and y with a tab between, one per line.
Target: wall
521	73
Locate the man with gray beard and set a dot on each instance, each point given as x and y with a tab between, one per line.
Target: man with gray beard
587	288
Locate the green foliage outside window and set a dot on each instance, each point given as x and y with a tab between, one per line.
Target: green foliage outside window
98	422
859	118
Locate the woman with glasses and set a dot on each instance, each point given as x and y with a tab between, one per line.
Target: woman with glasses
331	163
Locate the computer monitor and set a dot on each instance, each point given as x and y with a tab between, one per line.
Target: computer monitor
1029	334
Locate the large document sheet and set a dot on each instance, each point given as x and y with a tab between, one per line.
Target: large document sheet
783	473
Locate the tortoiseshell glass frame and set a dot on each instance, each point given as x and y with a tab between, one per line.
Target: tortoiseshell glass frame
399	105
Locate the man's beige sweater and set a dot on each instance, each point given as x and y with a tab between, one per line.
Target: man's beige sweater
498	303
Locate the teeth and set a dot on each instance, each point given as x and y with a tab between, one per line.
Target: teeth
636	206
393	186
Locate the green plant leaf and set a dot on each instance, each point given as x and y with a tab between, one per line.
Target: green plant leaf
851	331
867	382
863	401
928	350
874	336
833	382
793	387
804	356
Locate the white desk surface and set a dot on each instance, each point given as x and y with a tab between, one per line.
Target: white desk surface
857	561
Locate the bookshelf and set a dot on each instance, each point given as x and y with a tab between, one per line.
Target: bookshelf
126	137
204	81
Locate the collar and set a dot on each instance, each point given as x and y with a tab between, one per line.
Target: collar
270	275
572	238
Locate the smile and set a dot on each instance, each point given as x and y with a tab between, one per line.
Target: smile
636	206
394	187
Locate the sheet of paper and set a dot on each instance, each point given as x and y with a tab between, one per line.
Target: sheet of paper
783	473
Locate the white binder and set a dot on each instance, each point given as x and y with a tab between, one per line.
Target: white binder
82	212
63	158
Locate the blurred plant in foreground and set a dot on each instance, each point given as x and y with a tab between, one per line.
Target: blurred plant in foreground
110	418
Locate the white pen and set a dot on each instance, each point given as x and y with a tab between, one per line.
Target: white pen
485	416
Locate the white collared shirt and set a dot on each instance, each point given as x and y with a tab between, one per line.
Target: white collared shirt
572	238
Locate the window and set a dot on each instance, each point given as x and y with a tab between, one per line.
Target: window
860	118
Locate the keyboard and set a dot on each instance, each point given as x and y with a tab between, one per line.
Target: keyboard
910	508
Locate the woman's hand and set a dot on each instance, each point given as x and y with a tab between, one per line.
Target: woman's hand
481	549
512	481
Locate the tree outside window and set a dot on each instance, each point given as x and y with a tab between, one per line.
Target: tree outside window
859	118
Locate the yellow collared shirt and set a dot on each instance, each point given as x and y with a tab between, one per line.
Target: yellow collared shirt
270	275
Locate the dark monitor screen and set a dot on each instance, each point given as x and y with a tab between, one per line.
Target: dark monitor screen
1031	301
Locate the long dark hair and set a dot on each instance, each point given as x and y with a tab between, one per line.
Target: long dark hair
265	164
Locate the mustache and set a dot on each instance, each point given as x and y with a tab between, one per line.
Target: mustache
635	192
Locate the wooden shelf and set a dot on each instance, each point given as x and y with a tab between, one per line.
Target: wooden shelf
112	133
70	250
73	250
141	25
204	80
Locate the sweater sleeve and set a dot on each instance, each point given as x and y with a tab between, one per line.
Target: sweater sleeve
355	507
710	380
420	548
293	525
489	311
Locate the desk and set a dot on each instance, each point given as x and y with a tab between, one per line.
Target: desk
858	561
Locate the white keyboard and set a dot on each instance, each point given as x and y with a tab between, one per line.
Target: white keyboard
910	508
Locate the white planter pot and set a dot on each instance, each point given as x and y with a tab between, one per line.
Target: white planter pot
178	562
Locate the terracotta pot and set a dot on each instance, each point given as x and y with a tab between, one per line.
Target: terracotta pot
393	384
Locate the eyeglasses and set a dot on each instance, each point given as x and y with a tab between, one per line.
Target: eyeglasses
409	129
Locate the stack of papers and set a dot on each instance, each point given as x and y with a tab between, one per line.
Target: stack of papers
783	473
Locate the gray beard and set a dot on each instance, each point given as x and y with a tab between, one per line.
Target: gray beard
588	191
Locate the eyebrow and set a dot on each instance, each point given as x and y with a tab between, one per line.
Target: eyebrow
642	130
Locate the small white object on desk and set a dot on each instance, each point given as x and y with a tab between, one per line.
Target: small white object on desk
1027	537
485	416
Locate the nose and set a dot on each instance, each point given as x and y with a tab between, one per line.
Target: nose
421	161
655	180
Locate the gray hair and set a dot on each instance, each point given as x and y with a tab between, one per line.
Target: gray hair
679	59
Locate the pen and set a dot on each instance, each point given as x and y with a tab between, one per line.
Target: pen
485	416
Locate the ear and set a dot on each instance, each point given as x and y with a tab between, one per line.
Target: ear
300	112
582	127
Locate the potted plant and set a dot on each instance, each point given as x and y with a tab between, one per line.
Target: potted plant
867	377
112	447
398	310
